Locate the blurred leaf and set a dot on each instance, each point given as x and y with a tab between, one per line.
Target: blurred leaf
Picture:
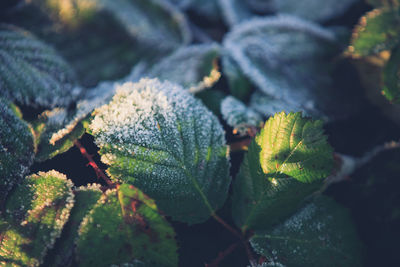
16	148
391	79
238	116
239	84
378	30
320	234
286	58
191	67
104	39
36	212
284	165
32	73
157	136
123	226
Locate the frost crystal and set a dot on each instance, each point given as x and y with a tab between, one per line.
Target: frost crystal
159	137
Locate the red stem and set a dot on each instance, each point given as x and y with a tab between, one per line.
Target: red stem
222	255
93	164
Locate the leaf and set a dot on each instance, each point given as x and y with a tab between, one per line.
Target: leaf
234	11
283	166
57	129
191	67
123	226
159	138
16	148
31	72
63	252
320	234
205	8
378	30
36	212
383	3
104	39
239	85
285	57
238	116
391	87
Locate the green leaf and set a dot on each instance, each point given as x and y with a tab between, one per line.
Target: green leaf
158	137
31	72
239	85
378	30
35	214
286	58
283	166
123	226
192	67
320	234
16	148
62	253
391	79
104	39
383	3
238	116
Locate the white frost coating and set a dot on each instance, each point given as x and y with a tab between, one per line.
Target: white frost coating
238	116
295	223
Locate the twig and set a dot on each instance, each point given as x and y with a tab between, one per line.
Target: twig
222	255
93	164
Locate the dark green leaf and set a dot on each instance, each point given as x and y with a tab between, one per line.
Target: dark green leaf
32	73
124	226
391	77
320	234
16	148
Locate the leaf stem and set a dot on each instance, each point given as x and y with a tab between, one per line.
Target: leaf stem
241	237
222	255
93	164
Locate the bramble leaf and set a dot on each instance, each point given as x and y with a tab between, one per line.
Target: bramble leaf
285	57
16	148
36	212
115	35
391	77
62	253
32	73
158	137
124	226
320	234
192	67
284	165
238	116
378	30
239	84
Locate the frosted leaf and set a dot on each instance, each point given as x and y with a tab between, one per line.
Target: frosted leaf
32	73
158	137
284	164
205	8
238	116
237	11
320	234
16	148
239	84
124	226
285	57
104	39
377	31
193	67
62	253
35	214
391	77
56	130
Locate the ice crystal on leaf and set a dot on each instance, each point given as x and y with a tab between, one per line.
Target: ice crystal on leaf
158	137
31	72
36	212
16	148
320	230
